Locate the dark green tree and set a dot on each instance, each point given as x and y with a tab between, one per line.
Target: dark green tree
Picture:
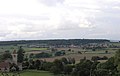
20	55
26	65
117	57
101	72
95	58
73	60
84	68
43	55
67	69
31	55
117	60
32	64
37	64
58	64
58	67
6	55
47	65
55	70
64	60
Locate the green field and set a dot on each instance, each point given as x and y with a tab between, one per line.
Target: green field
33	73
27	49
115	43
34	49
36	73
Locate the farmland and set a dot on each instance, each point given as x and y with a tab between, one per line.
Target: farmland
33	73
88	54
11	48
36	73
44	56
111	48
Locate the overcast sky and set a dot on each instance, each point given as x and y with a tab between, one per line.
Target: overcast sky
59	19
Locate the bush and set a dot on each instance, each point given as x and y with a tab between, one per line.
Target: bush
95	58
55	70
42	55
60	53
67	69
47	65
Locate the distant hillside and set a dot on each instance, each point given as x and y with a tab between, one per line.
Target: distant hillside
55	42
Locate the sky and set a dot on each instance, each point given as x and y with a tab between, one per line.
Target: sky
59	19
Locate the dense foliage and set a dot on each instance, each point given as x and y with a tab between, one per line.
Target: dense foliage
6	55
43	55
67	66
20	55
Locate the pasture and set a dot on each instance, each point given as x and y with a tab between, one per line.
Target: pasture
26	49
115	43
32	73
36	73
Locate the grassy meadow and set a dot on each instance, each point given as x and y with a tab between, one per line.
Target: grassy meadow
26	49
33	73
36	73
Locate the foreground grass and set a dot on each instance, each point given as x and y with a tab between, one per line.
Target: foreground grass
36	73
33	73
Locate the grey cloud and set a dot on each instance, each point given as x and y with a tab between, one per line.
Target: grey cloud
68	25
3	34
51	2
27	17
65	23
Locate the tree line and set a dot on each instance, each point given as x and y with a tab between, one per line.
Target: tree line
55	42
